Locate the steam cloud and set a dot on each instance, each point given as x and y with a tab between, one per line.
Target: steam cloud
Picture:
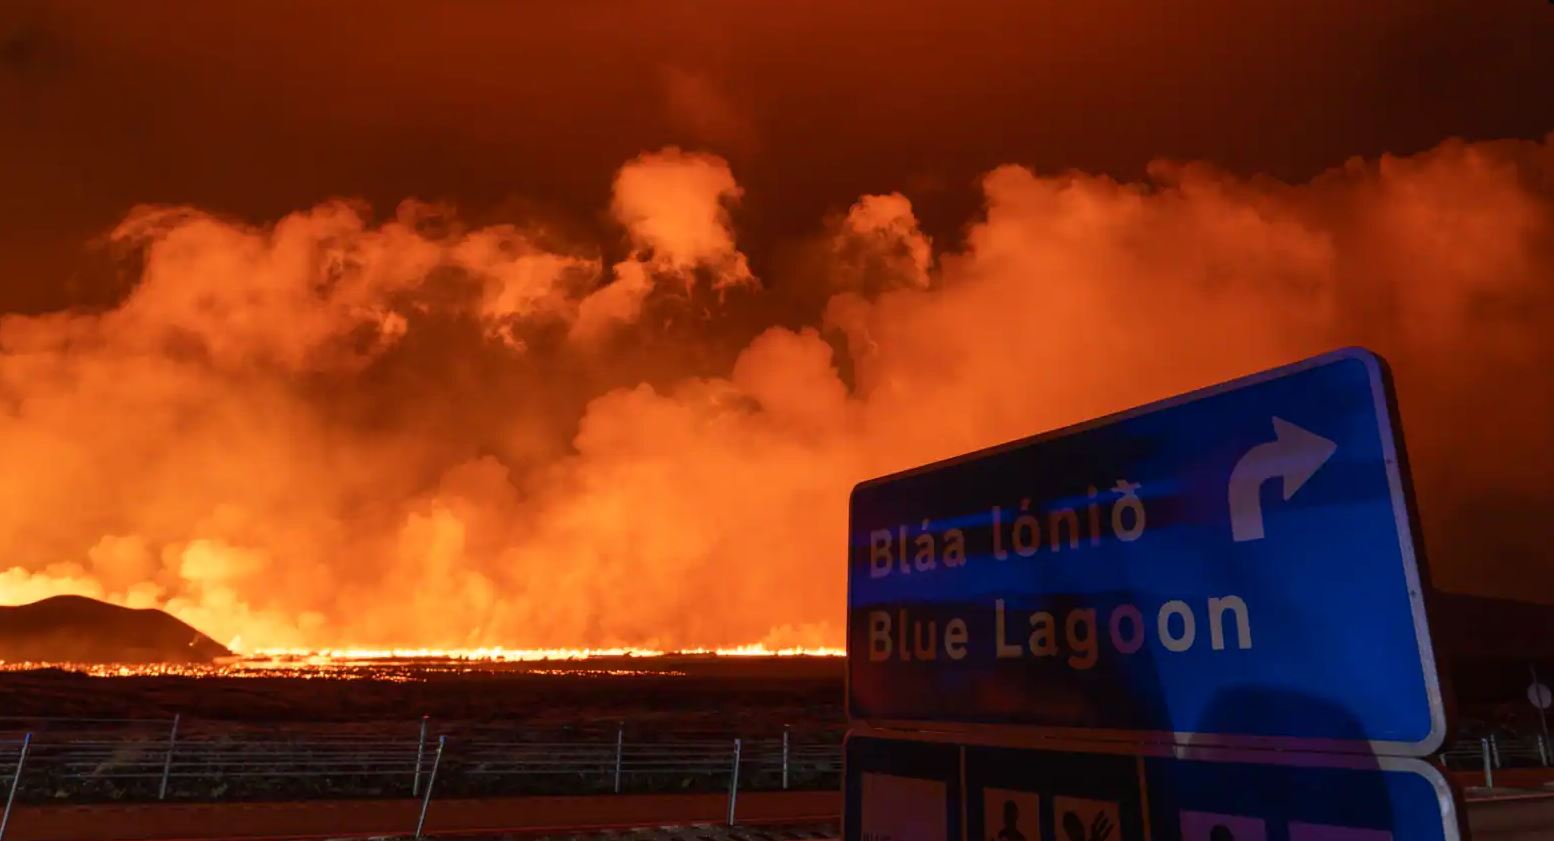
334	430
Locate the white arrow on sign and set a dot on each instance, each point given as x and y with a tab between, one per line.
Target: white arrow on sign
1294	454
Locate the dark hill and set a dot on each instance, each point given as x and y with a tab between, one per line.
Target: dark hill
81	630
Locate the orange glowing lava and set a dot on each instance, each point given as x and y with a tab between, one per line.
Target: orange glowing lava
499	654
409	664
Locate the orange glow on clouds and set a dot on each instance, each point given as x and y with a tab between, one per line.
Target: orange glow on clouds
342	437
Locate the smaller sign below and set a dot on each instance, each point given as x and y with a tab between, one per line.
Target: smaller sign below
1320	832
1082	819
1070	791
1009	815
906	791
903	808
1251	796
1211	826
1540	696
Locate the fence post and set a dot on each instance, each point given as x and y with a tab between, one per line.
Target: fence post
167	761
785	729
733	784
1545	745
620	748
1489	773
21	760
431	780
420	756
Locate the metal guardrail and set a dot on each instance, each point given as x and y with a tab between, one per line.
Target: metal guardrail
6	749
1492	752
158	759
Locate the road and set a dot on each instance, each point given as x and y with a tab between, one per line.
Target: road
1504	818
1512	818
324	819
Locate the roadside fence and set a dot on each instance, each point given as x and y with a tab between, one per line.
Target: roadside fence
78	759
75	760
1496	751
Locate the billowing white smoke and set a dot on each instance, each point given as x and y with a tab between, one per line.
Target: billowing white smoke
334	431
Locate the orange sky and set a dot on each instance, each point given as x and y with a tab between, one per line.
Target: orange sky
258	109
542	325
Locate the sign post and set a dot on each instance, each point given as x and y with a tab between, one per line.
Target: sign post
1171	591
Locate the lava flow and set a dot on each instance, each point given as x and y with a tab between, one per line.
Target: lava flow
409	664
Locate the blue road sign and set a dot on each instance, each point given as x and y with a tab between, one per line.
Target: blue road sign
906	789
1232	566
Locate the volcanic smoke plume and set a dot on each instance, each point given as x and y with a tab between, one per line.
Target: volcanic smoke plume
340	427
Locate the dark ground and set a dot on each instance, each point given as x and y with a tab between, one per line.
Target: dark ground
282	724
745	695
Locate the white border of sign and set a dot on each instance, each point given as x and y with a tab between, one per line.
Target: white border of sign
1451	817
1414	574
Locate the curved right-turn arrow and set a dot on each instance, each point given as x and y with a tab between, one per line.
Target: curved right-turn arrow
1294	454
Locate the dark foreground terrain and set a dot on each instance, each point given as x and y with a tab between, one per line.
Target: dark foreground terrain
691	692
372	730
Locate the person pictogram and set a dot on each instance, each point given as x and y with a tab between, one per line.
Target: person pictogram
1011	829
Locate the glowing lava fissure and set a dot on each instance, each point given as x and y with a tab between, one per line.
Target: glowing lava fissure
407	664
528	655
